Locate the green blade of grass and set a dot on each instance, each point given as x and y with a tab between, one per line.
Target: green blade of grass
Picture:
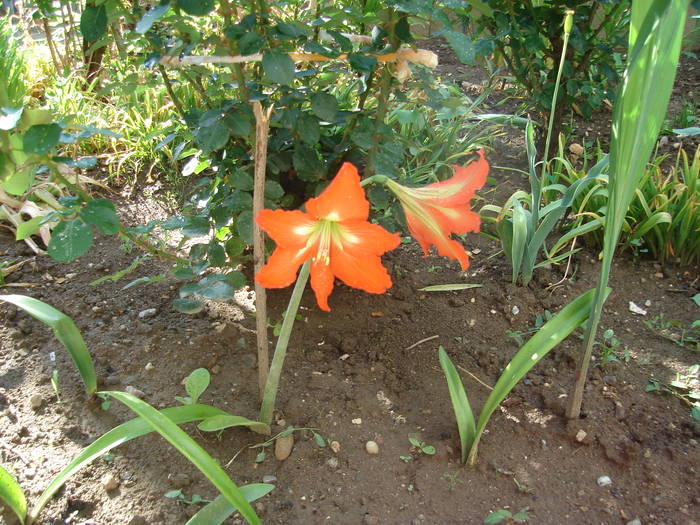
217	511
550	335
460	404
125	432
224	421
520	220
11	494
191	450
66	332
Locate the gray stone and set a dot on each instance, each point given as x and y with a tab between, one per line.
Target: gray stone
148	312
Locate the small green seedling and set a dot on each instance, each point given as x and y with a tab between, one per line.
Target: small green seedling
260	457
504	515
676	331
106	402
178	496
539	321
452	479
423	447
195	385
406	459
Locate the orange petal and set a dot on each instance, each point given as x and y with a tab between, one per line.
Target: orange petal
343	199
459	219
281	268
440	239
361	238
365	273
322	283
464	182
289	229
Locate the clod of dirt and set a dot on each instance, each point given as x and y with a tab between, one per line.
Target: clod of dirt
283	447
371	447
36	401
134	391
109	482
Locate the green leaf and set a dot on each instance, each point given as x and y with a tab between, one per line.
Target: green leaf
318	438
324	106
238	122
215	286
196	226
196	383
497	516
236	280
307	163
101	213
212	137
464	416
28	228
197	7
244	226
273	190
191	450
278	67
188	306
65	331
462	45
70	240
93	22
221	422
234	247
250	43
11	494
125	432
448	287
151	17
308	128
696	299
216	512
41	138
19	182
362	63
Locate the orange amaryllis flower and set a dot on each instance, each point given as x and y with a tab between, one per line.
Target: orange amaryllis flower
335	234
435	212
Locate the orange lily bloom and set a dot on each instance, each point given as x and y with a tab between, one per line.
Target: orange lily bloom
335	234
435	212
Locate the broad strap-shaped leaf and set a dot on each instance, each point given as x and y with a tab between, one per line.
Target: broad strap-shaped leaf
217	511
460	404
224	421
125	432
191	450
11	494
550	335
66	332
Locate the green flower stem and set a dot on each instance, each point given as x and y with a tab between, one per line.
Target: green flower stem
568	22
374	179
273	378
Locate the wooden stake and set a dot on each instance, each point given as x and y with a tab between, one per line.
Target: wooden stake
262	126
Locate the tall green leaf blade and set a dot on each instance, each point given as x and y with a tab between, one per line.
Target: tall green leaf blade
519	237
11	494
65	330
125	432
550	335
460	404
191	450
217	511
640	108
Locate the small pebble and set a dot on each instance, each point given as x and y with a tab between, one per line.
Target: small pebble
581	435
515	310
635	521
109	482
269	478
148	312
335	446
576	148
283	447
149	367
332	462
134	391
604	481
371	447
36	401
357	421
